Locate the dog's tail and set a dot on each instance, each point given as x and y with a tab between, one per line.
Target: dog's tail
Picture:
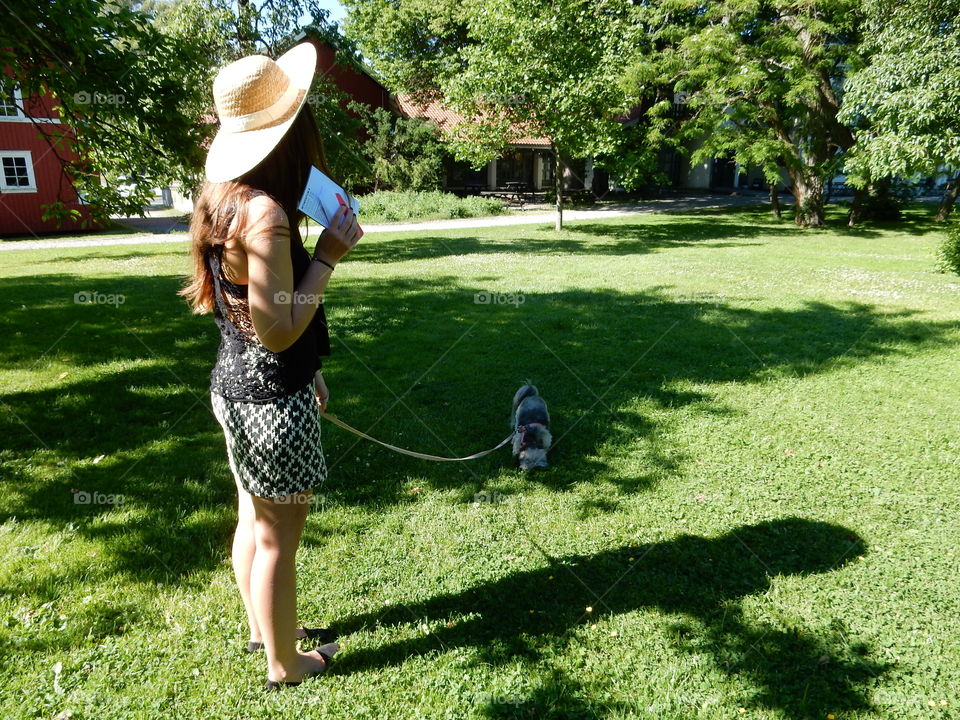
522	394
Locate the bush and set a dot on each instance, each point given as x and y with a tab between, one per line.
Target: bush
948	254
886	199
395	206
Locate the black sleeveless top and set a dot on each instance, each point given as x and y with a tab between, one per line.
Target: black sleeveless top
246	370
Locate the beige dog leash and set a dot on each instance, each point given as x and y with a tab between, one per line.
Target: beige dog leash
411	453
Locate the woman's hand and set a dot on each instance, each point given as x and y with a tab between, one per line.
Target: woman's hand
320	388
338	239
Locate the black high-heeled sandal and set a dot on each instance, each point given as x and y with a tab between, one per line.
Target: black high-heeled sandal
321	635
326	652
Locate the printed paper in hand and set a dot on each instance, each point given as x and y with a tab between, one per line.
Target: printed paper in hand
323	197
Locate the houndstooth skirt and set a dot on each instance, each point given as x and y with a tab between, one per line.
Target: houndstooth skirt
273	447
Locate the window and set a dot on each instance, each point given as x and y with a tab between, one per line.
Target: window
17	167
546	169
515	166
10	102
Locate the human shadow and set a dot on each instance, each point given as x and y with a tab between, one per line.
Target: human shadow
698	580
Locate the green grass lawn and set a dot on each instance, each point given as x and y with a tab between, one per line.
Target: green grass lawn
751	510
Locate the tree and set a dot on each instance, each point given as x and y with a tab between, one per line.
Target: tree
414	44
132	84
545	69
903	105
510	68
122	88
763	82
402	153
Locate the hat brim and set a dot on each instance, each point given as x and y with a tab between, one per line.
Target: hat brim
231	154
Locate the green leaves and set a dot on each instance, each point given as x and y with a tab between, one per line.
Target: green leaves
401	153
904	103
133	85
121	86
761	82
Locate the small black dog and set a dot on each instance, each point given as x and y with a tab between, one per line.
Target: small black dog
531	423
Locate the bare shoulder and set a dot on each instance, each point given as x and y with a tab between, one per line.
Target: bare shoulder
264	210
266	221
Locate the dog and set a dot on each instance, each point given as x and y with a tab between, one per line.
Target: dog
531	425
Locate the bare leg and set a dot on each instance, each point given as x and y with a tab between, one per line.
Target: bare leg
244	547
273	585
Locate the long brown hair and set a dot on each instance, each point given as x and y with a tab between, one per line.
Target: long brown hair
282	175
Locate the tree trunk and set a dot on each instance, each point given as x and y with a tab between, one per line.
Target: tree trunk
558	185
775	201
808	196
949	199
860	196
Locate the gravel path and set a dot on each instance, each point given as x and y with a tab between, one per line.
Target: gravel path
166	230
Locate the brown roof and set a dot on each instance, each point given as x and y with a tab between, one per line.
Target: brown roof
446	119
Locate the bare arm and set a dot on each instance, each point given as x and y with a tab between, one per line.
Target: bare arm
281	312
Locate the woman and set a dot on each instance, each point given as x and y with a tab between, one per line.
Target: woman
266	292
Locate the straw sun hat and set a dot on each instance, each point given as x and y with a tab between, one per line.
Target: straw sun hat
257	100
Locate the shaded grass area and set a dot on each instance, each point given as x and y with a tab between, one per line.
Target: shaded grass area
749	507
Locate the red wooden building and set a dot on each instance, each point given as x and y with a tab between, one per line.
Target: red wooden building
360	86
31	171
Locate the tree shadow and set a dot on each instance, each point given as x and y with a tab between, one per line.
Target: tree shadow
599	357
132	257
122	446
701	580
578	238
705	228
417	362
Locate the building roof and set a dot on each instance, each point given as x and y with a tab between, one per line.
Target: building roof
359	65
446	119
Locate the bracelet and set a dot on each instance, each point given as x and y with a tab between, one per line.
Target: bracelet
319	260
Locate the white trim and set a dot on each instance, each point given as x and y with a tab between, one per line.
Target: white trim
25	119
31	176
20	117
17	104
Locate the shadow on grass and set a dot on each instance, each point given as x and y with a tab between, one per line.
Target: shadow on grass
602	359
578	238
708	228
701	580
132	258
133	391
416	362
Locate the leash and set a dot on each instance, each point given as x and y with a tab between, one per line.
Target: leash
411	453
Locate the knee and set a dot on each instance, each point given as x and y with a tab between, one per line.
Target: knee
277	527
274	539
267	539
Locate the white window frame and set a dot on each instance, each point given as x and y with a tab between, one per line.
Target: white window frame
18	103
31	176
20	117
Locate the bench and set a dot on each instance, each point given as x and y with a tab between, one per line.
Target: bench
579	197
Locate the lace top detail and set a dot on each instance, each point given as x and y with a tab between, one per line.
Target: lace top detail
245	369
236	308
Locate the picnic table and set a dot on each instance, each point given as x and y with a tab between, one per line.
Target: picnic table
517	190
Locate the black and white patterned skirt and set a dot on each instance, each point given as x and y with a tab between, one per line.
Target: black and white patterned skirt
273	447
